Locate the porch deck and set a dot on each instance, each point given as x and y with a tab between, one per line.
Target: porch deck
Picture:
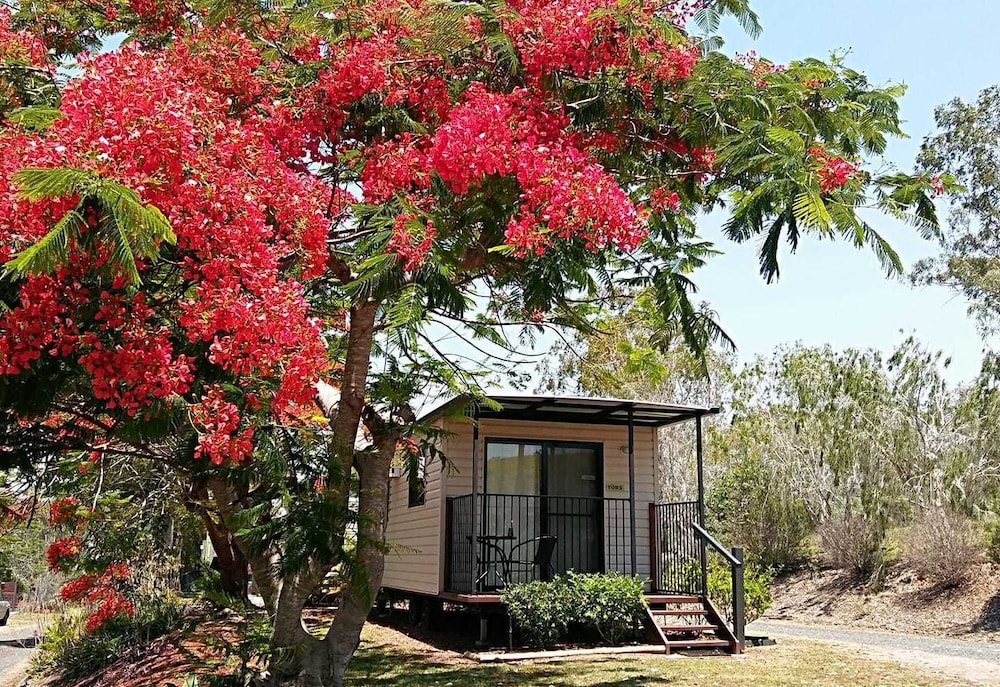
591	535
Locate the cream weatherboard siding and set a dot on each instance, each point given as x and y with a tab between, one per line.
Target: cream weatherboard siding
415	536
418	534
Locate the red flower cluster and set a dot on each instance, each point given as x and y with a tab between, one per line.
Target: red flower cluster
662	199
157	15
63	552
219	421
190	129
65	511
20	47
833	170
584	37
38	325
565	193
394	166
101	593
77	588
137	366
110	604
407	242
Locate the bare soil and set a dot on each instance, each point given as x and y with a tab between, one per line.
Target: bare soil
905	604
204	648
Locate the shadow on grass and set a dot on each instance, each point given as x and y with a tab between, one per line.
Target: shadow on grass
375	666
454	631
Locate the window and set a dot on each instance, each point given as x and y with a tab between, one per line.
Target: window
416	472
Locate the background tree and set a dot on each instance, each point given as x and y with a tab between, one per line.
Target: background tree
966	146
270	198
632	352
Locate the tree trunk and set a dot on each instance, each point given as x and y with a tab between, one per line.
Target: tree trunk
359	596
230	561
312	663
324	663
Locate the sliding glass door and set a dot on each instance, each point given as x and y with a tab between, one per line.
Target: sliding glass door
547	488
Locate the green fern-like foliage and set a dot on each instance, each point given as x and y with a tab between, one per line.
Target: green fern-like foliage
133	230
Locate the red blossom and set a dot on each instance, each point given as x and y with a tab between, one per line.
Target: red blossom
76	589
218	422
252	227
62	552
833	171
411	241
111	604
662	199
65	511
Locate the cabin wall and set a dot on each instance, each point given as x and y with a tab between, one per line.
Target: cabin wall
458	477
415	535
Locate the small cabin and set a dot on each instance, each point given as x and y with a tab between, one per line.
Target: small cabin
534	486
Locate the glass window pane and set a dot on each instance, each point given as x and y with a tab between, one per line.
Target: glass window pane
513	468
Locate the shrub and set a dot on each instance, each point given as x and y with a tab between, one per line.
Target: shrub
544	613
991	538
71	653
541	611
750	505
611	603
757	583
941	546
854	544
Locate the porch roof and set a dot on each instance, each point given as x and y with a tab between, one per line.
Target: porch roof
578	409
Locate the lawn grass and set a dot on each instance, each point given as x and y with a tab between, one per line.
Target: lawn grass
20	619
387	658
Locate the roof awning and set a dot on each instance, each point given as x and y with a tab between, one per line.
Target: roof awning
578	409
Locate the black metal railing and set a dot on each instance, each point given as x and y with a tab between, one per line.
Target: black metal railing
676	554
591	534
458	540
679	551
734	606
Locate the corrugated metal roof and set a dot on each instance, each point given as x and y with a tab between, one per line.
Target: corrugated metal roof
578	409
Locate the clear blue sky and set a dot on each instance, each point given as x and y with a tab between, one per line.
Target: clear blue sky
829	292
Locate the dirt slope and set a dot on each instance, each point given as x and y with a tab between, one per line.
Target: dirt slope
906	604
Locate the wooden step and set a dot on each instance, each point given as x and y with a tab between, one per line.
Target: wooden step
678	611
687	628
697	644
672	599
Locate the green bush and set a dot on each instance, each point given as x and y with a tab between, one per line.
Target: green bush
749	505
991	538
70	653
545	613
757	583
611	603
541	611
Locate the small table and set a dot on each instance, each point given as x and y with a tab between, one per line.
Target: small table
492	543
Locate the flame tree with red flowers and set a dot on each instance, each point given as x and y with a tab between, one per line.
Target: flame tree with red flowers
227	240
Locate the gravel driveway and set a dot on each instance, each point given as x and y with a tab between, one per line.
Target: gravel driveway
975	661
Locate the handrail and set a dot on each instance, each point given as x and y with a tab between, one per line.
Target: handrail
554	496
735	559
726	553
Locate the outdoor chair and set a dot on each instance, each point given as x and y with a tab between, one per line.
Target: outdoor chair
543	548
